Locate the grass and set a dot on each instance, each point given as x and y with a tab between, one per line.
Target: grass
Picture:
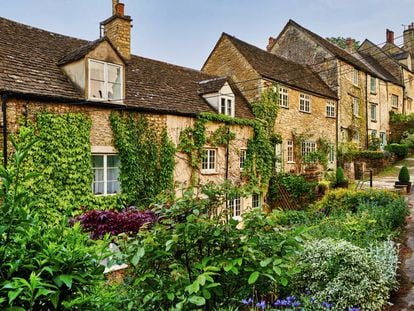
392	171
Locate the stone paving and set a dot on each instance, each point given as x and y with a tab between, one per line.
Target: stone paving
404	302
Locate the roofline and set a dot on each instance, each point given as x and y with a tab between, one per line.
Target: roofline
81	102
301	89
223	34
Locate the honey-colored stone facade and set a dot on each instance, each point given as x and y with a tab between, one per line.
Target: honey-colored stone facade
227	60
118	30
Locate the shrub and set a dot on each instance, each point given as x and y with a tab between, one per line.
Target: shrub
400	150
99	223
340	179
386	254
404	175
343	274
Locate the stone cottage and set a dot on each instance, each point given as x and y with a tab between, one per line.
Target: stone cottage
366	91
45	71
307	114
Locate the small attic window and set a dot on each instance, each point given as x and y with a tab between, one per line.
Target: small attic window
226	105
105	81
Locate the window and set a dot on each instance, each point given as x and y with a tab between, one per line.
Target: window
278	157
209	160
330	109
373	112
227	105
290	157
256	200
308	147
355	77
394	101
105	81
355	106
331	155
304	103
383	139
283	97
105	174
234	207
373	86
355	136
242	158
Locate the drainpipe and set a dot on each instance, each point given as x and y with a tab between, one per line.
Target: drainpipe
4	110
227	172
366	110
336	147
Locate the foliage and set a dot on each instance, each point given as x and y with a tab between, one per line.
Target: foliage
300	190
404	175
267	108
343	274
341	42
400	117
408	139
60	161
400	150
190	258
374	143
129	220
147	158
44	265
315	157
340	179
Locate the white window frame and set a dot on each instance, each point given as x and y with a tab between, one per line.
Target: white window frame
308	147
373	85
304	103
209	162
283	97
228	105
290	152
330	109
235	207
106	81
242	158
394	101
331	155
375	106
356	136
105	171
355	77
383	139
355	106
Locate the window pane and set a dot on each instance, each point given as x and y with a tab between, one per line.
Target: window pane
114	91
229	107
114	74
113	187
113	161
97	71
98	174
96	89
113	174
97	161
223	106
98	187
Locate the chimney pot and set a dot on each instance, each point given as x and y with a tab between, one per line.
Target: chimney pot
120	9
114	3
390	36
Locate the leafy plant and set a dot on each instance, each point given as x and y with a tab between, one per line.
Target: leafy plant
400	150
343	274
404	175
129	220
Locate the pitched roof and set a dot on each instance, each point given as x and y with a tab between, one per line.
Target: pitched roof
211	85
376	67
280	69
332	48
29	64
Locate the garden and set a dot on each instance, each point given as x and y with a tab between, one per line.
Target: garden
338	253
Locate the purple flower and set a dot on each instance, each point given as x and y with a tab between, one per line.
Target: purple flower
247	302
262	305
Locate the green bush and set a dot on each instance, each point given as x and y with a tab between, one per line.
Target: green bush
343	274
340	179
400	150
190	259
404	175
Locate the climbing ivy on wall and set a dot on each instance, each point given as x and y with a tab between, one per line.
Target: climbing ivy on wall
61	162
147	158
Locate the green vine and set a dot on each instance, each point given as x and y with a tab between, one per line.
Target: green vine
147	158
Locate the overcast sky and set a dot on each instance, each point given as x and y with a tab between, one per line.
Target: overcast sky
184	32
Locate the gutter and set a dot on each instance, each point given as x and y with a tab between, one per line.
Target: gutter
4	110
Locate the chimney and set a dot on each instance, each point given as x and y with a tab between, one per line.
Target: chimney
350	47
270	44
118	29
409	38
390	36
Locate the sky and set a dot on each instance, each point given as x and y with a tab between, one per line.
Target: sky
184	32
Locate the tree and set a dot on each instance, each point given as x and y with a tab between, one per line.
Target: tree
341	42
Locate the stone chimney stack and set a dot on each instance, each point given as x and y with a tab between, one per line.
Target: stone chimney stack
270	44
350	47
390	36
118	29
409	38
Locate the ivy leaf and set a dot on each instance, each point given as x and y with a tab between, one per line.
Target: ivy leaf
284	281
197	300
266	262
138	255
253	277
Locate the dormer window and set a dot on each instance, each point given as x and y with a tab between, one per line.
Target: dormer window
105	81
226	105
